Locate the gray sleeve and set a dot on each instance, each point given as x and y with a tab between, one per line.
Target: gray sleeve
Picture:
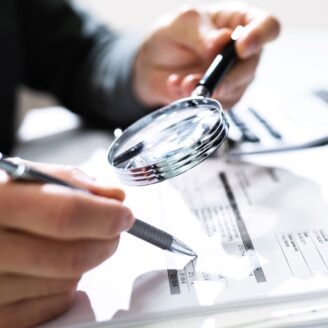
106	81
85	64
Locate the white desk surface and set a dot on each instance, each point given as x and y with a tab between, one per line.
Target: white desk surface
297	61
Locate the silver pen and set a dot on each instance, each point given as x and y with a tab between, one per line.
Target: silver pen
140	229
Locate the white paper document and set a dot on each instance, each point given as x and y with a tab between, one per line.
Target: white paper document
270	123
261	235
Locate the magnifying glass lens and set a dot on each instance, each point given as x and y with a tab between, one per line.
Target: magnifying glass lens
169	141
167	136
175	138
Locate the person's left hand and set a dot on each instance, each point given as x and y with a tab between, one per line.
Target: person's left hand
176	54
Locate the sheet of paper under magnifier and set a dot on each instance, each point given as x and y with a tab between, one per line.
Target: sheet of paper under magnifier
261	235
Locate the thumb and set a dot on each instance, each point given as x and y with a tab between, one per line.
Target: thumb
79	179
215	40
195	30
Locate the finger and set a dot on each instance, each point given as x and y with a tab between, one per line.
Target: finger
167	85
39	257
229	101
259	26
32	312
173	86
187	30
80	179
61	213
189	83
15	288
194	32
241	75
229	14
257	32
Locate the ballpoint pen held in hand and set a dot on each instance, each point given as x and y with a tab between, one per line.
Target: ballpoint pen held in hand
22	172
220	66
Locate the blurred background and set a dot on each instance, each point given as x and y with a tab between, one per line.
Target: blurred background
303	21
141	13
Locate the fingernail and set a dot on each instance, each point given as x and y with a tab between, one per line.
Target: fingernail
128	221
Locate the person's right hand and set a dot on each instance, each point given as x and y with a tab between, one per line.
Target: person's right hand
49	236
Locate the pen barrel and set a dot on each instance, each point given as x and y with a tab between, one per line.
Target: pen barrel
151	235
217	70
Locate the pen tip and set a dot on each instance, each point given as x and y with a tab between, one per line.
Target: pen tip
180	247
192	253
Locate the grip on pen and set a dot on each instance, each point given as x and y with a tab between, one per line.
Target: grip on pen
151	234
220	66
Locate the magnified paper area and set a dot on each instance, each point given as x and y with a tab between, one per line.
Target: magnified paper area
171	134
261	234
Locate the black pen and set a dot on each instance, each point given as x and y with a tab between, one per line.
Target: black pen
22	172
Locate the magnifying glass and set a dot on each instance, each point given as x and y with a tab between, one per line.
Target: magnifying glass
177	137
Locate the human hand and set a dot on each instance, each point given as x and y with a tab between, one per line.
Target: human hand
181	47
49	236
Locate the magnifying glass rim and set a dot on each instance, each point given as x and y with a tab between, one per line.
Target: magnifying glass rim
180	168
169	174
147	119
219	127
145	141
159	167
150	118
144	121
163	170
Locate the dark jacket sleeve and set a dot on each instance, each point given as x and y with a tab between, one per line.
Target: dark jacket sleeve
84	64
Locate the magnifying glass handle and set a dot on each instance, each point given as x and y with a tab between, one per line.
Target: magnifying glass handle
219	67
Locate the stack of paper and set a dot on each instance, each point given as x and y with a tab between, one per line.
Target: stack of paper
261	235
